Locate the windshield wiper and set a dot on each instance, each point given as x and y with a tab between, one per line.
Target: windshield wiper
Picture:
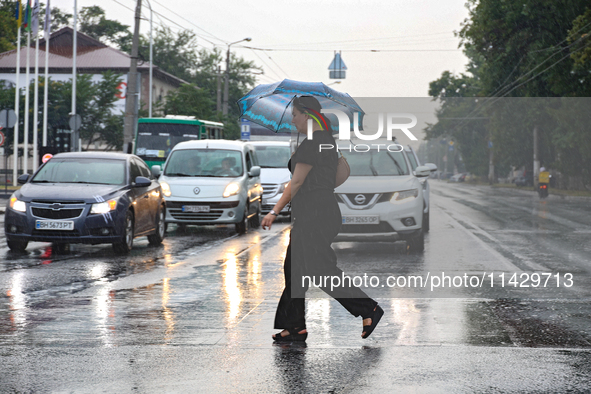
400	170
178	174
371	167
89	183
44	181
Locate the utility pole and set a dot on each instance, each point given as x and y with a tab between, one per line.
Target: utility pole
536	159
226	83
219	90
131	96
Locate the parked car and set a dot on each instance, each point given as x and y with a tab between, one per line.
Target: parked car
85	197
414	163
457	177
382	200
273	157
525	179
212	182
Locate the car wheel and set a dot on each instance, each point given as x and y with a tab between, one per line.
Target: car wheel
416	244
242	226
17	246
426	222
255	221
60	248
126	243
158	236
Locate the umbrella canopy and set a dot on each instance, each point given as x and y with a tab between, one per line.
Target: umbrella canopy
269	105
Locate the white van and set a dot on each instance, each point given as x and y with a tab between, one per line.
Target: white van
212	182
273	157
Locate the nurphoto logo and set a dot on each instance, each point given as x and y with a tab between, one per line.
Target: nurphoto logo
345	125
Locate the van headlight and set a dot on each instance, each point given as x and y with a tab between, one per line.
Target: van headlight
231	189
165	189
404	196
18	205
103	207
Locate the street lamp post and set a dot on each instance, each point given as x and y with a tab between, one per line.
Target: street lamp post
151	65
227	76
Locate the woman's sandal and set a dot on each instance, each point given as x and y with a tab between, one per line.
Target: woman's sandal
291	337
377	314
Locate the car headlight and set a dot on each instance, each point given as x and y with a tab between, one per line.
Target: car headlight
18	205
282	187
404	196
103	207
231	189
165	189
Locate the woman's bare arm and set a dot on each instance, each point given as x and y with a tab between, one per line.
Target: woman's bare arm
299	176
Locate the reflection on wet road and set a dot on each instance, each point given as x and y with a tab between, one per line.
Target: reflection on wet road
197	313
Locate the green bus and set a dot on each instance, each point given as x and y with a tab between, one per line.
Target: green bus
155	137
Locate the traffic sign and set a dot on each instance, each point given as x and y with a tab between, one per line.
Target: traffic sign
75	122
245	129
7	118
2	138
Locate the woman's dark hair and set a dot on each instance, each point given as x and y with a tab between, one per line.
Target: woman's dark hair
310	105
306	103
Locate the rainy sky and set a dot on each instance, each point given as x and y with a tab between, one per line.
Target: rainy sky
414	38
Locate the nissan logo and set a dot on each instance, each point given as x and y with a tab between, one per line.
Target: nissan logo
360	199
196	190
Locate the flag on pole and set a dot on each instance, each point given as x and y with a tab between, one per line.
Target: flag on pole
47	25
18	15
35	18
27	24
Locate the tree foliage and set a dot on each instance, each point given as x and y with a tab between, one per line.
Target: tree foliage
517	49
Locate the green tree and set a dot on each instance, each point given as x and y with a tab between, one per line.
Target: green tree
8	32
94	23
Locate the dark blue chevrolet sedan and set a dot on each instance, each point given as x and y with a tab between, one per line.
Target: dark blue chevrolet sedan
87	197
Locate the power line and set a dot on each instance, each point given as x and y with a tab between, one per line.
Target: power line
186	20
347	50
363	40
265	63
276	64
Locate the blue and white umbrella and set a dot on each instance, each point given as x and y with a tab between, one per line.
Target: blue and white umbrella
269	105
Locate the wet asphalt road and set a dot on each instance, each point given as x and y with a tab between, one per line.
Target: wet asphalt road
196	314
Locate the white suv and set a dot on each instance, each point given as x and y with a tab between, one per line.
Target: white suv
414	163
212	182
273	157
382	200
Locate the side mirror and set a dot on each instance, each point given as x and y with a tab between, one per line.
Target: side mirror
431	166
156	171
142	181
422	171
21	180
255	171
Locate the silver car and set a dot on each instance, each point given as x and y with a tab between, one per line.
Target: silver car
212	182
273	157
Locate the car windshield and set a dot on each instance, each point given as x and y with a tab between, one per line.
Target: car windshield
273	156
374	163
204	163
91	171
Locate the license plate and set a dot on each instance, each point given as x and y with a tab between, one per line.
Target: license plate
54	225
361	219
195	208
